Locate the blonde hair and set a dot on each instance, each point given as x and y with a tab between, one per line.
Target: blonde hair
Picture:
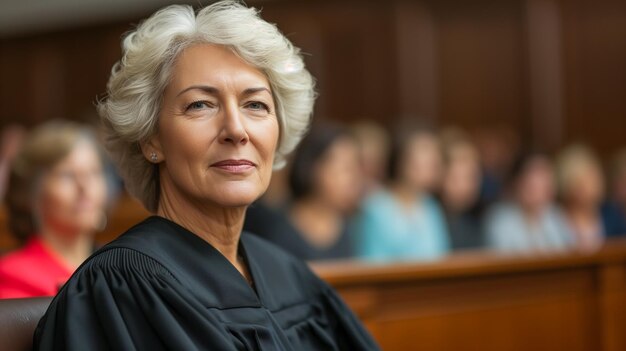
40	151
131	108
570	162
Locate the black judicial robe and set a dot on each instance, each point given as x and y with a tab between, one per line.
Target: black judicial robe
161	287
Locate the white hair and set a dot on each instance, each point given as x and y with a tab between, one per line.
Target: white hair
131	108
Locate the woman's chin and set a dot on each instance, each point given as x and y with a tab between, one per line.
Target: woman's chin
237	196
235	201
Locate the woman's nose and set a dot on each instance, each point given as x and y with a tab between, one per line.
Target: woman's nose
233	130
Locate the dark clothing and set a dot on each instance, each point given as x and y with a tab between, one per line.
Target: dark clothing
465	231
276	227
614	219
161	287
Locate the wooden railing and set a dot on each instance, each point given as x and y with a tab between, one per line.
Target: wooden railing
483	301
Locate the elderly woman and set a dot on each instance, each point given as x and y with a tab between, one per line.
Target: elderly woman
199	109
56	202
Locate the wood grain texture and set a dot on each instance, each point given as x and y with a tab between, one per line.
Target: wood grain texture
488	301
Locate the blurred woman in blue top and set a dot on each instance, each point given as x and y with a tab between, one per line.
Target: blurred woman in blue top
529	221
403	221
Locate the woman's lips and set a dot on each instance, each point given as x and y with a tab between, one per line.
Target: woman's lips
234	166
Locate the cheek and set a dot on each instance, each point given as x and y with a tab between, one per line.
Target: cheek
56	201
182	140
269	138
340	183
97	191
264	136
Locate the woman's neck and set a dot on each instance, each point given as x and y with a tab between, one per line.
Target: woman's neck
533	214
586	225
72	248
319	223
583	216
407	195
219	226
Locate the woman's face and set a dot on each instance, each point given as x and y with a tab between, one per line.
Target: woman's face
338	175
72	194
422	166
461	181
586	187
217	130
535	186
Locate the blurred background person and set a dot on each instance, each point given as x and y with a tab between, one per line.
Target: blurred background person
581	190
460	190
404	221
325	183
497	146
55	202
10	141
614	208
373	141
529	220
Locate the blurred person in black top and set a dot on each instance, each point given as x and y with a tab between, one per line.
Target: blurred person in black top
325	184
460	190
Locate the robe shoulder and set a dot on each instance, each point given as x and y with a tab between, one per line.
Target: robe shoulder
122	299
159	287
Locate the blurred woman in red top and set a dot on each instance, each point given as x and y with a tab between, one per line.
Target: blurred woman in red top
55	201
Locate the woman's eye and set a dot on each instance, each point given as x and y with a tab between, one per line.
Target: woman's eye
197	105
257	106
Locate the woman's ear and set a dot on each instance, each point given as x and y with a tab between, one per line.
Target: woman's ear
151	149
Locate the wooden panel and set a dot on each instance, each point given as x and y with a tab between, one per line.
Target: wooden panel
349	48
594	41
552	70
561	324
485	301
481	63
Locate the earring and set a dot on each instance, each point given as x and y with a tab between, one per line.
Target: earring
154	157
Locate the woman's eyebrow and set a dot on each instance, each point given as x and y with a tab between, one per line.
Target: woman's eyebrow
207	89
215	91
251	91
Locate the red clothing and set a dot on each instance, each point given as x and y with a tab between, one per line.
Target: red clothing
34	270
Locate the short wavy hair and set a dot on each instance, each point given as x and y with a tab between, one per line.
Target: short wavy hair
132	104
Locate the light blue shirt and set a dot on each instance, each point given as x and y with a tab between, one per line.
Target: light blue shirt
508	230
387	230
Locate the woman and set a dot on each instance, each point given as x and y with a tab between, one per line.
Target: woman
460	190
581	190
373	142
199	109
325	185
404	222
529	221
56	201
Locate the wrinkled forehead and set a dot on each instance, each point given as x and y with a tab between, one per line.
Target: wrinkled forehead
216	66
